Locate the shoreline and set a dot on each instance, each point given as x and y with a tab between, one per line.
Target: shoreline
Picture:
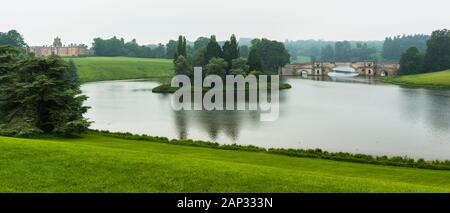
434	80
397	161
167	89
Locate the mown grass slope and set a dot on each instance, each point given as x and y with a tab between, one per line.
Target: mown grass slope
120	68
96	163
430	80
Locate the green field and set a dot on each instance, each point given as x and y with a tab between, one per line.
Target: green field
120	68
96	163
428	80
302	59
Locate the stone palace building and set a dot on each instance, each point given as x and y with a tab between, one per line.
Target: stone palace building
59	49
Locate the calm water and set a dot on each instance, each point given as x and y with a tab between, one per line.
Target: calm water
361	116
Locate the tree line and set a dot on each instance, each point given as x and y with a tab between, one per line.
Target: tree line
118	47
320	50
388	50
393	47
436	57
264	56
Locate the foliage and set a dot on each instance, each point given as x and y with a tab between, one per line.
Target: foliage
393	47
230	50
181	48
213	49
201	43
267	55
8	63
310	153
12	38
182	66
411	62
165	89
438	51
239	67
109	47
234	49
244	51
171	49
217	66
343	51
41	96
118	47
324	50
198	58
72	74
327	53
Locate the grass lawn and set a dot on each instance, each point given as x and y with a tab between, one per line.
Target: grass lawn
302	59
119	68
430	80
96	163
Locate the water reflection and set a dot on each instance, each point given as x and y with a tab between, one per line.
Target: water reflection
437	116
360	115
215	122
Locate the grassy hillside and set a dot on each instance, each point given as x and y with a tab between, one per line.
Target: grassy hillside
119	68
429	80
98	163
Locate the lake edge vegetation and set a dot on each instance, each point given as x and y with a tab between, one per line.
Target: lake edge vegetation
96	163
433	80
168	89
427	69
306	153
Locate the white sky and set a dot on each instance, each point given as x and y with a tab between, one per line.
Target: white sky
154	21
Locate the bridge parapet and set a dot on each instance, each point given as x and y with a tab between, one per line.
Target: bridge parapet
365	68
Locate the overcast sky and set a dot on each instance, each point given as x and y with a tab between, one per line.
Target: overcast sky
154	21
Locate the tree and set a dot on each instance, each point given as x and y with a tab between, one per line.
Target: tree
230	50
213	49
239	67
438	51
171	49
411	62
198	58
254	61
201	43
393	47
244	51
159	51
234	47
267	55
217	66
132	48
13	39
109	47
227	53
362	52
342	51
42	99
8	63
327	53
182	66
181	48
72	74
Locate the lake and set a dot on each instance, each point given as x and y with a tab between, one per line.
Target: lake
357	116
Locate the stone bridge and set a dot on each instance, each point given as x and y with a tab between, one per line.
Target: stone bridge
366	68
